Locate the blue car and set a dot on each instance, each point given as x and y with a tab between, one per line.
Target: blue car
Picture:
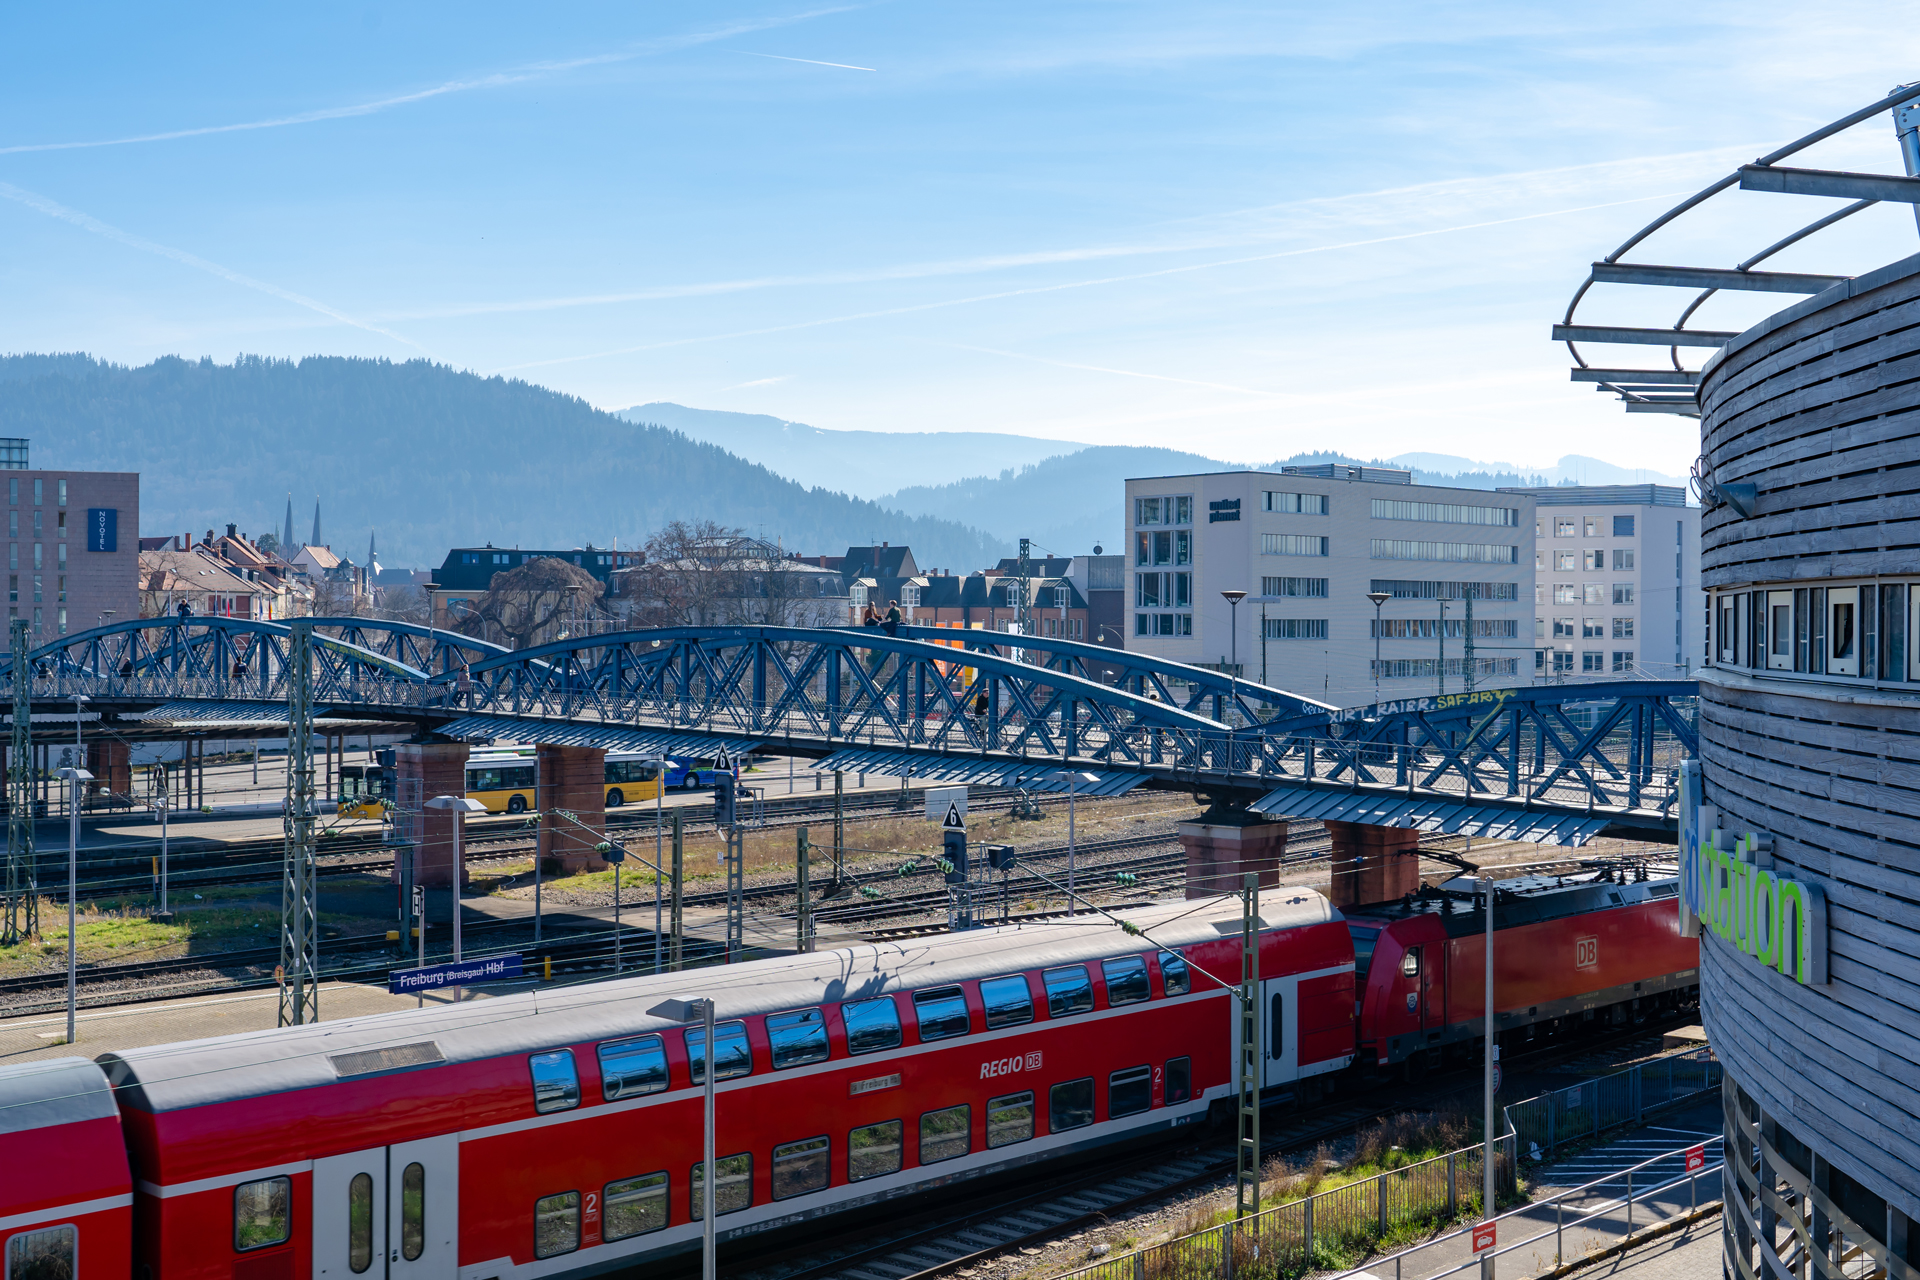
690	775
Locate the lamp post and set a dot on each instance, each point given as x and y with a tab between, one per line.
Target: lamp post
1233	626
162	804
1440	673
700	1009
1071	777
76	779
1379	598
658	762
461	806
1493	1053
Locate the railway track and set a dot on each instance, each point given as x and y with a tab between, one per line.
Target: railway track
119	868
1038	1208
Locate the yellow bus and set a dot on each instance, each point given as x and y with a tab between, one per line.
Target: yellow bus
630	777
503	781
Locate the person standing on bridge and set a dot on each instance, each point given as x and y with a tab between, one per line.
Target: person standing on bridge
892	623
463	687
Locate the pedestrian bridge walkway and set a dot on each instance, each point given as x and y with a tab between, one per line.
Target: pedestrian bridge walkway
1594	757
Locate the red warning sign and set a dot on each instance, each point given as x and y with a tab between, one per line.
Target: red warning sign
1483	1237
1696	1159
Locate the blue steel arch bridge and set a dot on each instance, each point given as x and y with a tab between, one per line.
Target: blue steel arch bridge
1554	763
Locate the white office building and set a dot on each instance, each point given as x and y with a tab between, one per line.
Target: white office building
1307	545
1617	580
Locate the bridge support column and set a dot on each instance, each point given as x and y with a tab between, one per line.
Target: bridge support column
111	764
574	779
1373	864
423	770
1225	844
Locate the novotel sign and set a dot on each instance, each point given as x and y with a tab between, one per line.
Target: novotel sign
1779	921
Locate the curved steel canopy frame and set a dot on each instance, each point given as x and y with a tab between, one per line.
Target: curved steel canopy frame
1675	390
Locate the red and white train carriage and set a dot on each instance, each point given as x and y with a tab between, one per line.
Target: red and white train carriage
557	1133
65	1189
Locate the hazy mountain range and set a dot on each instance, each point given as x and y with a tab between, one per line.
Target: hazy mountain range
1064	495
430	458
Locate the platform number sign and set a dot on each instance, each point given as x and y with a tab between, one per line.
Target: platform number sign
1696	1159
1586	953
1484	1235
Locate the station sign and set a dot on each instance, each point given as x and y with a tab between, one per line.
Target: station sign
406	982
1779	921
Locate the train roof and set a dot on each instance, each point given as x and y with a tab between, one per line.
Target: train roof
1530	899
194	1073
56	1091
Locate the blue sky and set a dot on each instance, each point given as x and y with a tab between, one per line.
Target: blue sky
1243	230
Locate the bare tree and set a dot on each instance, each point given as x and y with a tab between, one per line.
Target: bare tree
405	604
685	577
532	604
334	597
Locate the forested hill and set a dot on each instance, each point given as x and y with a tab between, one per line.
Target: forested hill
425	456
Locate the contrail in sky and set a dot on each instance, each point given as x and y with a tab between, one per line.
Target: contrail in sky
844	66
86	222
518	75
1085	284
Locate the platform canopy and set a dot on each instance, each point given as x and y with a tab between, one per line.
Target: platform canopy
612	737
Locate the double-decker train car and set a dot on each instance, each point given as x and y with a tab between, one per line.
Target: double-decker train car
559	1132
1567	949
65	1188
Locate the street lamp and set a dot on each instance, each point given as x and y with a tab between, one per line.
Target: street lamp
658	761
163	805
77	778
1379	598
700	1009
1233	626
1071	777
105	614
461	807
1492	1055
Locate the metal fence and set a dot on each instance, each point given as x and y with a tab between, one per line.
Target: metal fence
1593	1106
1319	1231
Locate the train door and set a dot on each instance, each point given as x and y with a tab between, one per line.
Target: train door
391	1213
1420	998
1280	1023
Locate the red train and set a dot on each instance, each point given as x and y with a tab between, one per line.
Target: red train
557	1133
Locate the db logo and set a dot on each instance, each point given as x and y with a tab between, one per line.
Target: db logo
1483	1236
1586	953
1007	1066
1696	1158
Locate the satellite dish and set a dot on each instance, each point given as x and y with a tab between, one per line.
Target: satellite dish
1096	549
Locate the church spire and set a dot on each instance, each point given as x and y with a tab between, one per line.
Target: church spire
286	535
316	524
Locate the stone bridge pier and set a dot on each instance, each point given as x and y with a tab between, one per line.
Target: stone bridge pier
423	770
1373	864
1225	844
574	779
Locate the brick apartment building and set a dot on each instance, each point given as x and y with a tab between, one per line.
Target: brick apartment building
73	546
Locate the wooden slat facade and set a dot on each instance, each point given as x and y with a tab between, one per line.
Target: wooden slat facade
1819	406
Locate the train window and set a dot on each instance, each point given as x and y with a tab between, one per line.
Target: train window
941	1012
359	1223
1009	1001
1069	991
1126	980
732	1185
1175	978
629	1068
798	1038
262	1213
556	1082
413	1212
945	1134
48	1254
1277	1026
1129	1092
1179	1080
872	1150
1363	944
633	1206
556	1224
872	1025
1070	1105
799	1167
731	1055
1009	1119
